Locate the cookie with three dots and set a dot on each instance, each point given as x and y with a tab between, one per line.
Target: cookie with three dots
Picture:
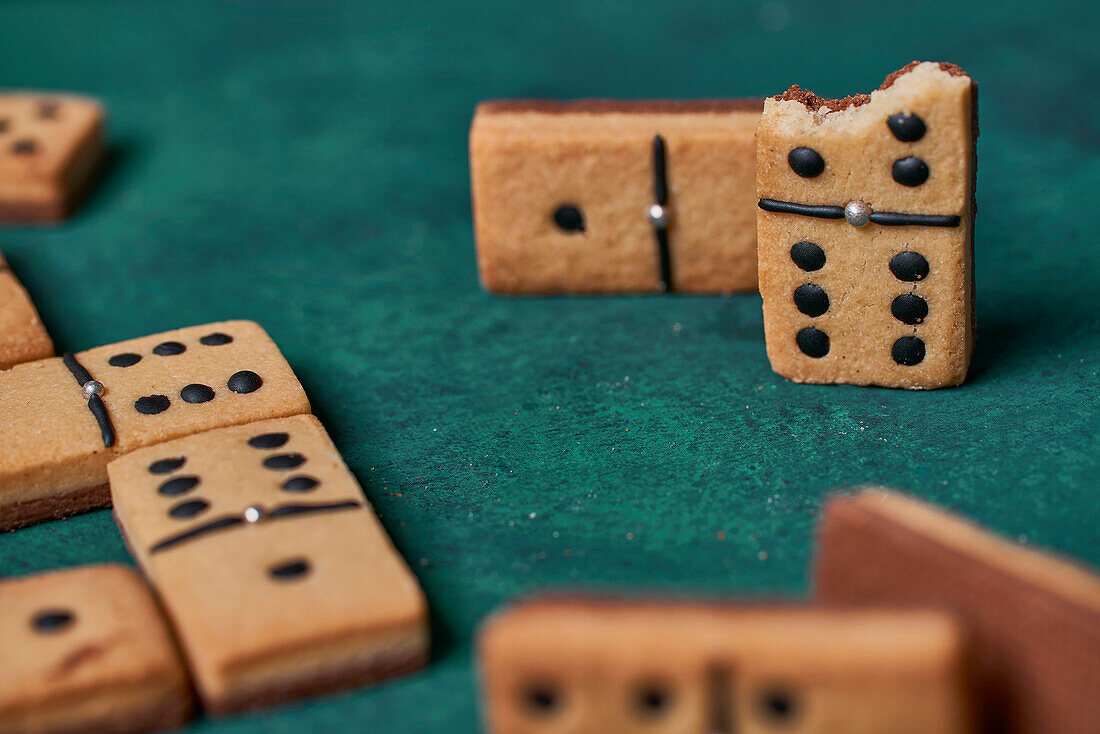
51	146
594	666
866	219
603	196
1033	618
87	650
63	419
276	574
23	338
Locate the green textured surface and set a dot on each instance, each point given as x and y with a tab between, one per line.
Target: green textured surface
304	165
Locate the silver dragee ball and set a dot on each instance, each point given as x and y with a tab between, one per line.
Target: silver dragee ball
92	387
858	213
252	514
658	215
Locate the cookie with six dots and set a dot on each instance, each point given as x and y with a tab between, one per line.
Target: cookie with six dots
275	572
63	419
590	666
50	148
865	230
603	196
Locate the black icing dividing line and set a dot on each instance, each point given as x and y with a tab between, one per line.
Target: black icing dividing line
95	402
660	191
234	520
887	219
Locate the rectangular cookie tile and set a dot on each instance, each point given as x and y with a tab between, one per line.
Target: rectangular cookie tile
57	442
86	650
23	338
51	146
276	574
594	665
866	229
611	197
1034	618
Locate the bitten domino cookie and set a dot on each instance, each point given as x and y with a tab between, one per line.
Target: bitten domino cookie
23	338
866	230
50	148
609	197
62	420
274	570
1035	619
592	666
86	650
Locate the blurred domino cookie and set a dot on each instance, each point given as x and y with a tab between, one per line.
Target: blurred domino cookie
23	338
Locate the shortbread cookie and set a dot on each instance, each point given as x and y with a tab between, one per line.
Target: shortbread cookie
86	650
274	570
609	197
866	230
50	148
62	420
23	338
595	666
1035	619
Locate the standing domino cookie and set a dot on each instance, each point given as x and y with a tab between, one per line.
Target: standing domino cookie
611	197
23	338
1034	619
866	230
86	650
50	148
62	420
597	666
275	572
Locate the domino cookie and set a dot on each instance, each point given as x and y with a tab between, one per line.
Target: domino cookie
86	650
50	148
609	197
23	338
1035	618
592	665
276	574
866	229
63	419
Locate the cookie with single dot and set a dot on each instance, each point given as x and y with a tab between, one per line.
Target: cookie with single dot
87	649
615	197
62	420
23	337
865	224
596	665
266	516
51	147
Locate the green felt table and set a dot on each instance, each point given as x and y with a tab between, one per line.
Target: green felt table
305	165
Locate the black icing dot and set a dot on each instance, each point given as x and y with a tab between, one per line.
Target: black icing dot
169	349
291	570
244	382
187	509
178	486
909	266
569	218
542	699
26	146
51	621
164	466
806	162
196	393
268	440
300	484
808	256
126	359
908	351
777	705
906	128
909	309
653	700
813	342
215	340
284	461
152	404
911	171
811	299
47	110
